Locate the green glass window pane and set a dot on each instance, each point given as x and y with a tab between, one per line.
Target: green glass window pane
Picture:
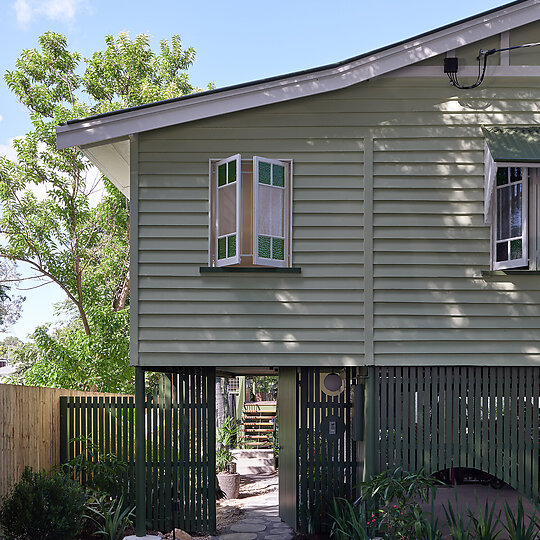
232	172
278	178
231	245
278	249
516	174
264	173
222	248
516	249
222	175
264	246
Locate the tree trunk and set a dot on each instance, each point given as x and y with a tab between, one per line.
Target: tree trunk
220	404
121	295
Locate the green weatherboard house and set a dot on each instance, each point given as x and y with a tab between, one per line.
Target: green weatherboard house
370	230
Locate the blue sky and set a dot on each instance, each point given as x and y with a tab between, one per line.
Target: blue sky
236	41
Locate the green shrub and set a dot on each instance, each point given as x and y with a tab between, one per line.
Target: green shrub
401	492
516	526
348	520
111	518
42	506
98	471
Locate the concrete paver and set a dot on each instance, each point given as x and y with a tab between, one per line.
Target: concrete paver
261	520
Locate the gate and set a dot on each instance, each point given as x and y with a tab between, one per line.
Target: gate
485	418
180	445
327	454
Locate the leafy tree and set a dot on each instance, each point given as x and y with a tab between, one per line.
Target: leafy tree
10	305
48	219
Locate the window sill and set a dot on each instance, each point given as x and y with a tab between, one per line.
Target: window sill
248	270
495	273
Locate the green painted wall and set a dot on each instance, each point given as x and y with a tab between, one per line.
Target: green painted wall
387	228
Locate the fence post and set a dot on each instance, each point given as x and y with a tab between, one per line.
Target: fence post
63	430
371	439
140	458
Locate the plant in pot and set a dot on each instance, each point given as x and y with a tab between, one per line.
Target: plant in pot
228	478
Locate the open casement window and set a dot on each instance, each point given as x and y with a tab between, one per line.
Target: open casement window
510	226
512	196
228	211
270	235
250	212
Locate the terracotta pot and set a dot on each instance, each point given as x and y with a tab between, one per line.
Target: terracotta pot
229	483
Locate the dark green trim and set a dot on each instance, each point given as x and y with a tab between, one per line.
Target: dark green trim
248	270
495	273
370	419
140	457
64	450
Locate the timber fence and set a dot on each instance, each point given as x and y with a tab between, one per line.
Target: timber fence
30	429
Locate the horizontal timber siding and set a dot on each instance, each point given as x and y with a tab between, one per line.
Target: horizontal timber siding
314	318
426	294
432	306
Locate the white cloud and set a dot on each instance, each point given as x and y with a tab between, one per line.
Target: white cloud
8	151
54	10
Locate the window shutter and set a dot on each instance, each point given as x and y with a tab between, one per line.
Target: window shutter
270	223
228	211
510	239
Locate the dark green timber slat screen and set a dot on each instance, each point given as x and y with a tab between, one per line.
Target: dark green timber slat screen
180	445
485	418
326	452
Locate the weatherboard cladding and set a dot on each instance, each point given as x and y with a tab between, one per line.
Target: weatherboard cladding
416	145
430	245
310	318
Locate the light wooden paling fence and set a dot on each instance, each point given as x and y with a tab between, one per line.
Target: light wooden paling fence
30	429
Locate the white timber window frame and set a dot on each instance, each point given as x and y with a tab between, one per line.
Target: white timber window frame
253	227
513	211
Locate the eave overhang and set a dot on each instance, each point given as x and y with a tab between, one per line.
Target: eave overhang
92	133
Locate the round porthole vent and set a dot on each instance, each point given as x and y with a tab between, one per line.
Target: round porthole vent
333	382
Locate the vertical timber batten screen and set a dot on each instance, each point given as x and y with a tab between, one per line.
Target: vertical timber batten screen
180	445
485	418
327	461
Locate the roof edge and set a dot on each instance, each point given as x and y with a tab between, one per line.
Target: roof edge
330	77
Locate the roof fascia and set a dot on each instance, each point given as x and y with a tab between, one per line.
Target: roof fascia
161	115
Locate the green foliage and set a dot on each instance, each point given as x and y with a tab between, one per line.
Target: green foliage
226	438
10	305
69	358
42	506
400	515
110	517
517	527
53	218
266	384
484	525
458	529
100	472
349	521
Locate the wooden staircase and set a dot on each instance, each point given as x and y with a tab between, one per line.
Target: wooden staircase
258	423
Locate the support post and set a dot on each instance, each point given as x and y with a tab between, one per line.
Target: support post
370	468
140	458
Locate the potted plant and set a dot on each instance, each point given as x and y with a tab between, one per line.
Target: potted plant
228	478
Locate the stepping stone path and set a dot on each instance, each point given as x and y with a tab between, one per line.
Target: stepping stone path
261	521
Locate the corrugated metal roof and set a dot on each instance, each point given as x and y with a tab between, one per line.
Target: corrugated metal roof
513	144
